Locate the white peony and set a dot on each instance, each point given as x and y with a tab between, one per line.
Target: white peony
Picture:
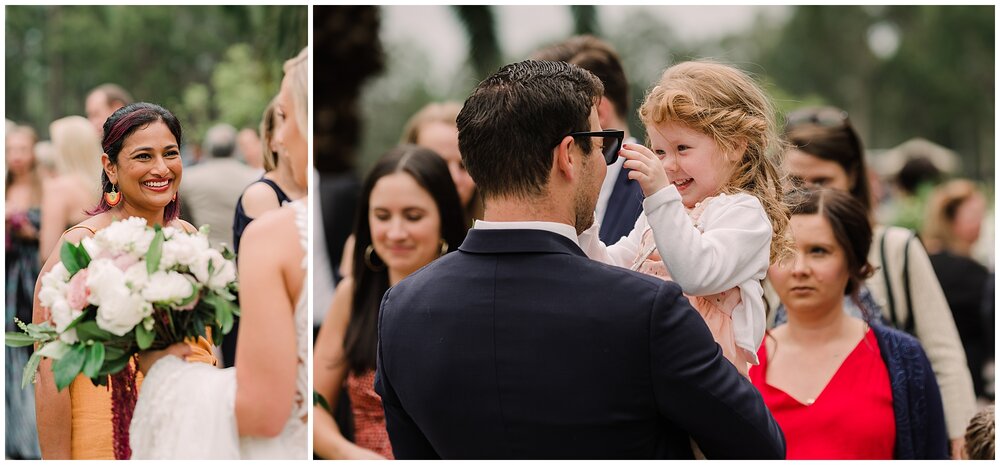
126	236
168	287
105	280
136	276
62	316
223	271
93	249
54	285
183	249
120	312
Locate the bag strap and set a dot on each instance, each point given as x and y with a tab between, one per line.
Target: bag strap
890	298
908	325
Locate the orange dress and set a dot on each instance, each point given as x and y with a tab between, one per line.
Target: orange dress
715	309
92	436
369	418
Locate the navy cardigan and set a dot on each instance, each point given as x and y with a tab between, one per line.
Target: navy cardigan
916	398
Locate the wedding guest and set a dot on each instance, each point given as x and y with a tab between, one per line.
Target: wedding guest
409	215
66	197
102	101
214	184
22	224
45	160
842	389
954	215
141	175
826	151
251	147
258	409
273	190
620	202
713	216
980	436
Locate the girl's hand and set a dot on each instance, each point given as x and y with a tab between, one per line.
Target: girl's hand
644	167
149	357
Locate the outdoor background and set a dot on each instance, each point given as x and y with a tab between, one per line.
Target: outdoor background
901	72
206	64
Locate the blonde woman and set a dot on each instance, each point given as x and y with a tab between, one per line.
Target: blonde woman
77	184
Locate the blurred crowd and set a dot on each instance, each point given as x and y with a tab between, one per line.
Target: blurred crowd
929	246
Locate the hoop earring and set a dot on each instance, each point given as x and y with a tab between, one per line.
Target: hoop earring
114	197
369	252
444	247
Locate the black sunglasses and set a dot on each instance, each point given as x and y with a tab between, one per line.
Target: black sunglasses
612	141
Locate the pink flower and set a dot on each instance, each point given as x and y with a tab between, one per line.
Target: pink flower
124	261
77	291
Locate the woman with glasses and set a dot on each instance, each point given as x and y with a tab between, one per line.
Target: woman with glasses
826	151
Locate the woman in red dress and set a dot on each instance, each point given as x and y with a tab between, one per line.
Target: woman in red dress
839	387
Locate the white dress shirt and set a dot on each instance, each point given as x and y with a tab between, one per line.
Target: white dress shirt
562	229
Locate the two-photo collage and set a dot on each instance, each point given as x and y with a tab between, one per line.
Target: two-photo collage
480	232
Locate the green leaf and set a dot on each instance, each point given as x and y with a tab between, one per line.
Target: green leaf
112	366
77	320
14	339
95	358
223	311
155	252
82	257
112	352
89	331
30	369
143	337
68	367
54	350
67	255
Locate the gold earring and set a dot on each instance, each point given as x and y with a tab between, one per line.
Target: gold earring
369	252
444	247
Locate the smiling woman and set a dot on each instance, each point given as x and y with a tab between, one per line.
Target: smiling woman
141	175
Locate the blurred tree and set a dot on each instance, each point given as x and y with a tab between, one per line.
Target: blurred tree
239	97
56	54
900	71
585	19
484	45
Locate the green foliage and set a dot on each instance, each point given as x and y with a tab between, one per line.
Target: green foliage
155	252
68	367
240	98
163	54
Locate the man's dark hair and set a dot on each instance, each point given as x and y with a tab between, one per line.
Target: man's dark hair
916	172
514	118
598	57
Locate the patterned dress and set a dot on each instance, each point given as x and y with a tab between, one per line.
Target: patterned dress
369	418
22	269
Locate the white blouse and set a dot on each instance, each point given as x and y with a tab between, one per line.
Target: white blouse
728	247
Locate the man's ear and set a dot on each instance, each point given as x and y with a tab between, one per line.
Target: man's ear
562	158
110	169
606	112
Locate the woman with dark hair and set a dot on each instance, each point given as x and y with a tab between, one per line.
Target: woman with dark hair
408	216
904	291
824	363
22	224
141	176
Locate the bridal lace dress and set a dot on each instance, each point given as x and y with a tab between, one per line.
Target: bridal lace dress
185	410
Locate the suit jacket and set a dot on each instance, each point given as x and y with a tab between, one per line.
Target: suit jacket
519	346
624	207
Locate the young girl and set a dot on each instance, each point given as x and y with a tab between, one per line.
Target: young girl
713	218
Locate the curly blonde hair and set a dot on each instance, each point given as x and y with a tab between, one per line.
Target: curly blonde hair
726	104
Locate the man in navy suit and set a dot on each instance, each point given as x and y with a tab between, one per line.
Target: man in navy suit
518	345
620	202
